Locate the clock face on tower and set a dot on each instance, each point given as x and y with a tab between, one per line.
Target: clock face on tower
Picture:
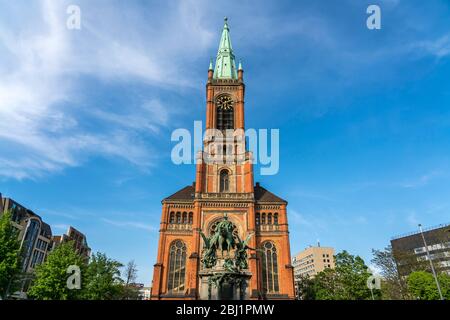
225	112
224	103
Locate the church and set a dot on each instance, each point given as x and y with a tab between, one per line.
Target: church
224	237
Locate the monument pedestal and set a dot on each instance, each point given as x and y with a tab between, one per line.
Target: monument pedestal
218	283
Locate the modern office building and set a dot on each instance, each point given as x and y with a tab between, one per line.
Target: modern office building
78	238
145	293
409	249
34	234
312	260
35	237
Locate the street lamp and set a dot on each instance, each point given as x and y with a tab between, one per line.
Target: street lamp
431	263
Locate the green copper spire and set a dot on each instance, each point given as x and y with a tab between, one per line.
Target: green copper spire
225	63
210	65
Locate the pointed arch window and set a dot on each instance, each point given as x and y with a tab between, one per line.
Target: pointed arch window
275	218
269	218
172	217
258	219
225	113
269	268
224	181
177	267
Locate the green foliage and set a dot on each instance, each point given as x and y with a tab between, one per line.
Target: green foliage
100	278
129	292
393	286
348	281
51	277
444	281
103	280
9	254
422	286
305	288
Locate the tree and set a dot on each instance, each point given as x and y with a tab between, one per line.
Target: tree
444	282
131	272
305	288
9	255
422	286
326	285
50	282
103	280
348	281
394	287
130	291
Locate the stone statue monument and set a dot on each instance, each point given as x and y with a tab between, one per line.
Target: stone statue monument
241	254
226	275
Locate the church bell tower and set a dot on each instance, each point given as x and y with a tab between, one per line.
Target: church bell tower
225	165
224	190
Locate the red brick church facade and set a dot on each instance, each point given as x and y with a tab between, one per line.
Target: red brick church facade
223	187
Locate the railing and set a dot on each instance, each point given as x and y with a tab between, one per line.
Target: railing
180	227
268	227
221	81
418	232
225	195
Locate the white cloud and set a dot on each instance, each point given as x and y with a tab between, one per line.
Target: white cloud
41	130
42	62
422	180
150	116
132	224
439	47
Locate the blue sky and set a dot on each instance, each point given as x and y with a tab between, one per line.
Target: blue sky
86	116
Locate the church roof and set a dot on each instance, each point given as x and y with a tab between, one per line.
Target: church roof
225	63
261	195
187	193
264	195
